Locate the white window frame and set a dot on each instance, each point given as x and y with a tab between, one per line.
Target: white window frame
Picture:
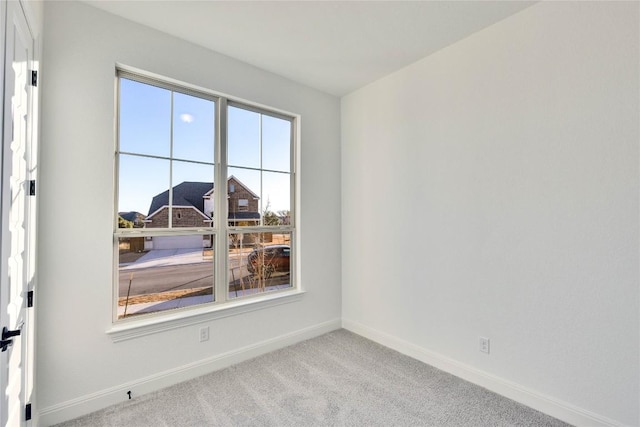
222	306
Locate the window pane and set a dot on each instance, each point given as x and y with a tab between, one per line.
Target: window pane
276	197
258	262
243	138
276	144
164	272
192	195
140	180
193	128
244	200
145	113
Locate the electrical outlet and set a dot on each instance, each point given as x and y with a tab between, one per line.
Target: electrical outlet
204	334
484	344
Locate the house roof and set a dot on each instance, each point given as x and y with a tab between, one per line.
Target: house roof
184	194
237	181
191	193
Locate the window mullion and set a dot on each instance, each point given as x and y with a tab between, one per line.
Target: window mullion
262	202
170	213
293	153
221	208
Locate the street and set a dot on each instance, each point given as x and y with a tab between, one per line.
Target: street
162	279
153	279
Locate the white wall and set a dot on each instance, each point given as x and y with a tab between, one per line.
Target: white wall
79	367
491	189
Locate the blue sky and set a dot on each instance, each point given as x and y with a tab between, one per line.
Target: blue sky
255	141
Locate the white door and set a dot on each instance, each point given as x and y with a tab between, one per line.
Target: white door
17	207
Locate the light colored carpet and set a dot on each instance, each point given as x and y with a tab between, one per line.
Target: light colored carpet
337	379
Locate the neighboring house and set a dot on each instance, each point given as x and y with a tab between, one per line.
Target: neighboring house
193	207
242	204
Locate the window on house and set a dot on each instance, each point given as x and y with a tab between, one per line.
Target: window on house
169	162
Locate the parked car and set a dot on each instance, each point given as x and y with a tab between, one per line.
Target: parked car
269	259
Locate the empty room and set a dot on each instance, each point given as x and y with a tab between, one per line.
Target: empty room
320	213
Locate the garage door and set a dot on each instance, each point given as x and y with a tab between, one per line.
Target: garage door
177	242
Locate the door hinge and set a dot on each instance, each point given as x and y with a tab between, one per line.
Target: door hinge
32	187
29	299
27	412
34	78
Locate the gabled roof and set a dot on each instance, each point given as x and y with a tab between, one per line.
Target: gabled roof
191	193
185	194
255	196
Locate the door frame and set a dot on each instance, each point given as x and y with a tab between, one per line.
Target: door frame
29	16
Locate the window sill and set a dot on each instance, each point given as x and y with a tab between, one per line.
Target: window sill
129	329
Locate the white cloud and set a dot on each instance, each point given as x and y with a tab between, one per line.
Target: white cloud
187	118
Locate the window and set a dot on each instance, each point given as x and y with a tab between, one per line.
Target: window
198	242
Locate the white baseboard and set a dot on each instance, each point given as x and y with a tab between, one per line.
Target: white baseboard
86	404
561	410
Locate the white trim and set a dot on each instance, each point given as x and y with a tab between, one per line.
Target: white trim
95	401
549	405
208	193
155	212
124	330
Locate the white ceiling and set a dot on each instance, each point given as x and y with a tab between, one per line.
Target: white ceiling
333	46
